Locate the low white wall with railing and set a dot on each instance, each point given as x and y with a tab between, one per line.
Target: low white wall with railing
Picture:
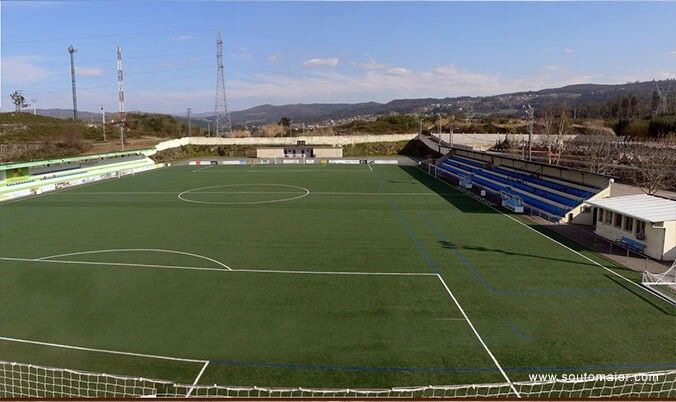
331	140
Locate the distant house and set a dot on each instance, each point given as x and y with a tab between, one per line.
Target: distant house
643	223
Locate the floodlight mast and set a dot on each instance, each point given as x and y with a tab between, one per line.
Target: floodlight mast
103	122
71	51
120	96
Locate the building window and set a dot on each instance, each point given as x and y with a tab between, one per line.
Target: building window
617	220
628	224
640	228
600	214
608	218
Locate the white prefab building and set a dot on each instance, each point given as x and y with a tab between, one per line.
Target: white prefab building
643	223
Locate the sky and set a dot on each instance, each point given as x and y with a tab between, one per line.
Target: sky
324	52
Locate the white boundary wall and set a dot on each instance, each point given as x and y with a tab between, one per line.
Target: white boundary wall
332	140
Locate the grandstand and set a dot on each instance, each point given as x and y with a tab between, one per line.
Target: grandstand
556	193
30	178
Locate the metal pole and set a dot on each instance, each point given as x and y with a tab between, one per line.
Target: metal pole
439	115
71	50
103	122
189	125
120	95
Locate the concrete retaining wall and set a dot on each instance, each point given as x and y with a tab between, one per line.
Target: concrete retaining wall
482	142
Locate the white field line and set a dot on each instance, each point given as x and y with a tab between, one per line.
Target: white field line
462	311
638	285
202	168
115	264
113	352
272	271
427	194
270	170
197	379
155	250
268	271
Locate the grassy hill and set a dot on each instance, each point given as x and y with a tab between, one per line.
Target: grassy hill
46	137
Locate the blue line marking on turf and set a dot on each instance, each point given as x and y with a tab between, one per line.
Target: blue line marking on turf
411	233
441	236
297	366
518	332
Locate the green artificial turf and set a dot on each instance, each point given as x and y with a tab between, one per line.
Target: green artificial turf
538	306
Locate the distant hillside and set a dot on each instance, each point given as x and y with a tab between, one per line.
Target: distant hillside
587	100
579	97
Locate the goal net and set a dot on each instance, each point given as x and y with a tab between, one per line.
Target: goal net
19	380
663	284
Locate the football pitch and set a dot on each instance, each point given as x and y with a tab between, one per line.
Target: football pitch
311	276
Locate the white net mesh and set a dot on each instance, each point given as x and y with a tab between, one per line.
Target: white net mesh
24	381
663	283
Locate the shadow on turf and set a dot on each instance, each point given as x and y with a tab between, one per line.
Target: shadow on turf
645	297
468	205
463	203
495	250
545	229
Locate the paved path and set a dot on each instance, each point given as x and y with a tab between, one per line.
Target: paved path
585	236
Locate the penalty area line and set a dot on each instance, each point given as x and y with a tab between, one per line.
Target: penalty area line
490	354
264	271
197	379
97	350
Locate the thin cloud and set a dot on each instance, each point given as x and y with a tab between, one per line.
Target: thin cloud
89	71
378	85
568	50
370	64
397	71
274	57
18	70
183	37
330	62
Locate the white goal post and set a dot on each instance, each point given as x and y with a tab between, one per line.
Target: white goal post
19	380
663	284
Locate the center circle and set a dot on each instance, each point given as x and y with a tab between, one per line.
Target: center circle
243	194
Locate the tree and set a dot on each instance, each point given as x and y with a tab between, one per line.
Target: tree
653	166
597	152
285	122
554	133
18	100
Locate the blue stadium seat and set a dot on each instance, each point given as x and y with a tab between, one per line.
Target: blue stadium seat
632	244
570	202
545	183
458	169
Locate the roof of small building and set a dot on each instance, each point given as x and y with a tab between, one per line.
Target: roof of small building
644	207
